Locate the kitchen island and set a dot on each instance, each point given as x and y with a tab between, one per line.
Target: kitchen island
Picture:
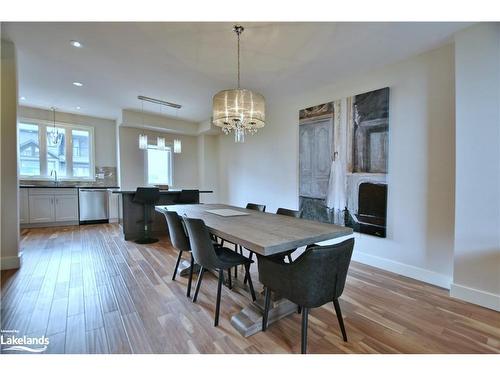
132	213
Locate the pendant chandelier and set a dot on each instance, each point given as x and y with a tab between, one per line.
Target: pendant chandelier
239	109
54	136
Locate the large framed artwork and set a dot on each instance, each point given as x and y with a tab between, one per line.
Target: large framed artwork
343	159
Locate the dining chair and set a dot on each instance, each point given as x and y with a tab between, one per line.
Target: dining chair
180	241
256	207
316	277
213	258
291	213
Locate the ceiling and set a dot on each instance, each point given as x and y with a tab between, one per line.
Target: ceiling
187	63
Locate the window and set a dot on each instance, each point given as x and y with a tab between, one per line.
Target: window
71	157
159	166
29	150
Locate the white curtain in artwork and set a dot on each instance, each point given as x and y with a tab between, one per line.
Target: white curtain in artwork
337	196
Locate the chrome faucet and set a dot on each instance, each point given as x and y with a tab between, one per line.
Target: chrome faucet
54	172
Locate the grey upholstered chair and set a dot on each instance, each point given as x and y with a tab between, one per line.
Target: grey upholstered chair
292	213
256	207
214	258
316	277
180	241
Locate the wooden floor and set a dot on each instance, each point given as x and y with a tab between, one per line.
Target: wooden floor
89	291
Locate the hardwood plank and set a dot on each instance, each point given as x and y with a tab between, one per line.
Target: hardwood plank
116	336
76	342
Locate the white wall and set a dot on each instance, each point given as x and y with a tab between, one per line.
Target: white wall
132	159
104	131
476	275
420	214
9	241
208	167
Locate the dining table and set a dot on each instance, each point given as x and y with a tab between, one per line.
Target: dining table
265	234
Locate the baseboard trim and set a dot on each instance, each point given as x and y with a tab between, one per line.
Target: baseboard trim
10	263
475	296
403	269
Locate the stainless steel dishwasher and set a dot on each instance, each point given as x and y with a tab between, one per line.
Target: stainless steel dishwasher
93	206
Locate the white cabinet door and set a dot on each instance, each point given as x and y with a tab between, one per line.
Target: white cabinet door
66	207
24	212
41	209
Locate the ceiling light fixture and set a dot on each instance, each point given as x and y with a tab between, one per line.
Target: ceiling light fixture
158	101
160	143
177	146
78	107
239	109
78	84
22	98
54	136
76	43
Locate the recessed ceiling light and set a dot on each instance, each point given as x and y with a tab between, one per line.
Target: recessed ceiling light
77	107
76	43
79	84
22	98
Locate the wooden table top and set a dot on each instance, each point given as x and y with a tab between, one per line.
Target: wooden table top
263	233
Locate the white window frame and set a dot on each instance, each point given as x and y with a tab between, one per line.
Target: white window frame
43	125
168	147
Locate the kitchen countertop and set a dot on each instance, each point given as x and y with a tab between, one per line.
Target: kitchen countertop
173	191
64	186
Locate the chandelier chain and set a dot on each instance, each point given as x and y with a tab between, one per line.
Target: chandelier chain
238	59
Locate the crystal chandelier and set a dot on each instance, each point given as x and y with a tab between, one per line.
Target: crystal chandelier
54	136
239	109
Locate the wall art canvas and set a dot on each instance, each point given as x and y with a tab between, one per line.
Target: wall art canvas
343	159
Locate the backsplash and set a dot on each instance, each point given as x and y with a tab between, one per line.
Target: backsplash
104	176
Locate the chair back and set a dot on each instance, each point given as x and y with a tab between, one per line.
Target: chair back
189	197
256	207
316	277
201	243
177	232
287	212
147	195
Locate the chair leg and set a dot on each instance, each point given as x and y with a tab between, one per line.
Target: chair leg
289	257
249	279
266	308
339	317
217	305
222	242
299	309
198	284
190	281
177	265
305	313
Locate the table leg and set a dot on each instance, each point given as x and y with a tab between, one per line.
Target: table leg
249	320
184	267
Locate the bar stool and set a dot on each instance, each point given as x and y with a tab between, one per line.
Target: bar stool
148	197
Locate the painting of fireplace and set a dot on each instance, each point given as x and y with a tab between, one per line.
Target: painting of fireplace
343	162
371	214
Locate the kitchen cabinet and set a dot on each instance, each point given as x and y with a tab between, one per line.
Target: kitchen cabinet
66	207
41	209
49	206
